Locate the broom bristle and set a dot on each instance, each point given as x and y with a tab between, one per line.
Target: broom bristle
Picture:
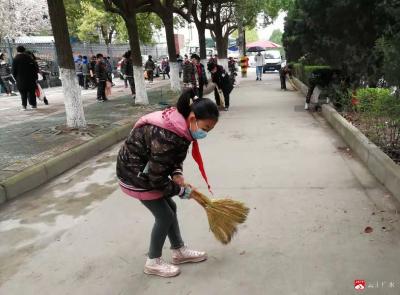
224	215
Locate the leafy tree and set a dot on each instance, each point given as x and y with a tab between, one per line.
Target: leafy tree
87	18
389	44
72	93
128	10
340	33
276	37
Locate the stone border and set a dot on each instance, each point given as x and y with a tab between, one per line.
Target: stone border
378	163
38	174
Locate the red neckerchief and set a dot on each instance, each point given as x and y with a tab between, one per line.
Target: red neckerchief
199	70
199	160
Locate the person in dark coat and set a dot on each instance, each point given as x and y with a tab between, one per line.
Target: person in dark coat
149	67
283	72
101	77
200	75
165	68
127	69
6	78
92	71
25	70
222	81
188	73
179	60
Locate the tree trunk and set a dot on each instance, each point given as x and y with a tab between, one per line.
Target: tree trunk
201	31
72	93
168	20
141	93
242	40
222	48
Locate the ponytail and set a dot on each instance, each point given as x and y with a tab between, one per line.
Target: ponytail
203	108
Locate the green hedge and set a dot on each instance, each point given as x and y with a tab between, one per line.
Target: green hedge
378	102
303	73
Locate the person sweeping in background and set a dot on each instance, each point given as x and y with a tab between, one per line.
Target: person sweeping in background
149	168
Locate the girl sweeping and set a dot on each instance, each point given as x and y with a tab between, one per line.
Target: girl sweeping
149	168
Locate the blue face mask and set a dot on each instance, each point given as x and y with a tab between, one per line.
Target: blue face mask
199	133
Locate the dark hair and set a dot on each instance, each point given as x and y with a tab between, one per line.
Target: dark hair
98	55
30	53
21	48
127	54
80	56
2	55
194	55
203	108
211	66
84	57
150	57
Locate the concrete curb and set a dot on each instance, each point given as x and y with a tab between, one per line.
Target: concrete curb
38	174
378	163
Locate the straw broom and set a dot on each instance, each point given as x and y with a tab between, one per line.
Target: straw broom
292	84
224	215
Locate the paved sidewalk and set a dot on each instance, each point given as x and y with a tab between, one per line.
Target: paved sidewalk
28	138
310	201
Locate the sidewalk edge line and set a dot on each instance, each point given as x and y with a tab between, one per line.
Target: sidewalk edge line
377	162
40	173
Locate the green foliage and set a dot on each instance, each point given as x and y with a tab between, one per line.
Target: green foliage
374	101
276	36
304	73
339	33
390	49
380	118
87	17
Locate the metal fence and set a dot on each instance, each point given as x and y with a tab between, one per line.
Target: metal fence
47	51
46	54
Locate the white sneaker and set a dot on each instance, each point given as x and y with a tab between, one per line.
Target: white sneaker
184	255
159	267
306	106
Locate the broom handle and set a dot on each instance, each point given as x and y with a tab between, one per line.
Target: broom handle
200	198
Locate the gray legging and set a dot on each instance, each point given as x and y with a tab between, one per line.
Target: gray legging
166	223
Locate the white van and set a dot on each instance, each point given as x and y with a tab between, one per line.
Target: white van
273	60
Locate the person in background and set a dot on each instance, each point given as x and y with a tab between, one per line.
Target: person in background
6	78
221	79
179	61
101	77
232	70
200	76
109	69
128	72
25	70
39	93
149	67
85	72
122	68
260	60
78	70
283	72
165	68
188	73
92	71
244	64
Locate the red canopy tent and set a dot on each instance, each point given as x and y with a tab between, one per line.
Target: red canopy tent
264	44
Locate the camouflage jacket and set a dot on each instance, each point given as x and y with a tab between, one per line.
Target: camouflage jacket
161	150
